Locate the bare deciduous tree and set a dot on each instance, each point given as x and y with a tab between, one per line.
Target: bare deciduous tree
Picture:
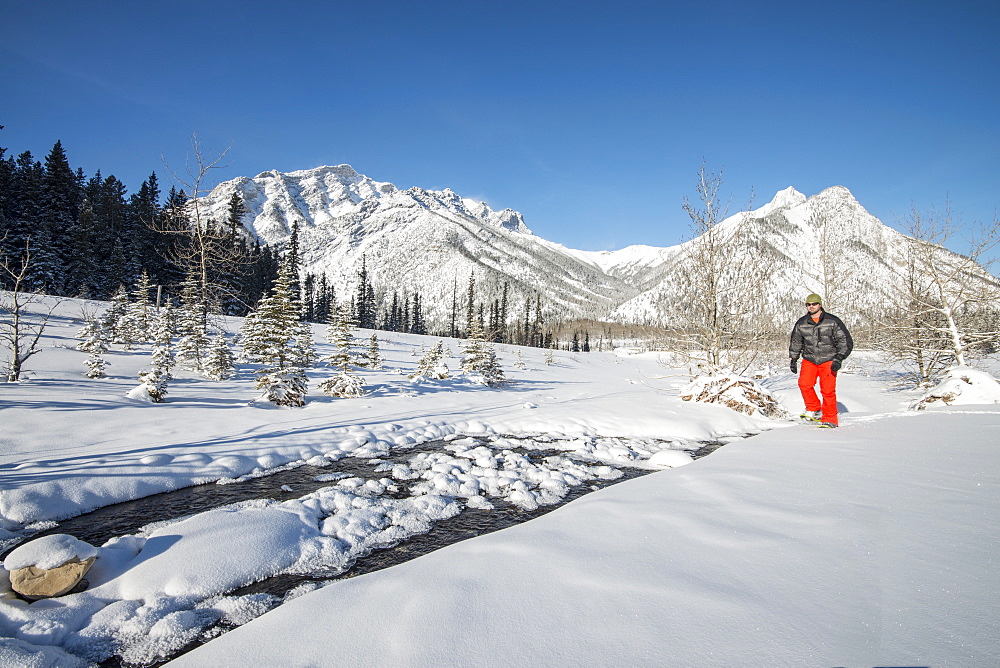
725	322
947	309
206	248
20	335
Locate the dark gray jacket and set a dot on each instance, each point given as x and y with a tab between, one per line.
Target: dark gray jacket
821	341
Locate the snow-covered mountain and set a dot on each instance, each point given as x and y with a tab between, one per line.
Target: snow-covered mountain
417	240
431	241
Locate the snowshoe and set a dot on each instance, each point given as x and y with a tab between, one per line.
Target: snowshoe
827	425
810	416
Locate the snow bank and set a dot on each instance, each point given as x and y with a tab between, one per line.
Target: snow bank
962	385
872	544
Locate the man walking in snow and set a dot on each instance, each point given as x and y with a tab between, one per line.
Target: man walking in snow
824	343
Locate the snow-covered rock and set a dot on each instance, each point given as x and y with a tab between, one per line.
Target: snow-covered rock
49	566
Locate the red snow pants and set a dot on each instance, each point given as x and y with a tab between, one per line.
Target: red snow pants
808	374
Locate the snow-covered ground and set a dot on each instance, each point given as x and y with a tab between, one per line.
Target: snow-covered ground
866	545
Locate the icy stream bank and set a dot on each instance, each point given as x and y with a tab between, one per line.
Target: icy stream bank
351	517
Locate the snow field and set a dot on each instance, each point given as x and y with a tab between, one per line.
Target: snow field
178	570
863	545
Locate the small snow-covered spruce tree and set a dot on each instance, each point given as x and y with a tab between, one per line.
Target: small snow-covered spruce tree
95	342
93	336
374	355
479	357
519	360
339	334
111	319
432	364
193	342
220	364
154	380
271	336
140	311
550	357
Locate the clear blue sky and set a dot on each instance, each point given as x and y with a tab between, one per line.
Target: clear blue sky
591	118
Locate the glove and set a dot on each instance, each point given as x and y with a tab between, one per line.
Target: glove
835	367
794	366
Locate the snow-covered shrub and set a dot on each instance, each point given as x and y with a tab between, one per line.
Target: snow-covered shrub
287	387
95	365
152	385
220	363
432	364
736	392
479	360
94	337
961	385
344	385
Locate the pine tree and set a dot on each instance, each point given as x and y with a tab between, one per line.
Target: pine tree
504	304
272	335
153	381
294	260
417	324
232	275
81	267
519	360
374	355
60	209
192	328
470	305
364	301
340	335
479	357
147	246
107	195
140	313
432	364
94	341
111	320
220	364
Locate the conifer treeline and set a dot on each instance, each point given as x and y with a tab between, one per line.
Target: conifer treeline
88	237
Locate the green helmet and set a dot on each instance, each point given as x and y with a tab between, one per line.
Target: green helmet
814	299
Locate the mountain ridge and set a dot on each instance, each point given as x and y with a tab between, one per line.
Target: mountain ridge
431	242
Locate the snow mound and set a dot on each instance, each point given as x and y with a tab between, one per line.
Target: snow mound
743	395
49	552
671	458
961	385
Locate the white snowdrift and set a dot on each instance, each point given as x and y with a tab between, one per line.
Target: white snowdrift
870	545
961	385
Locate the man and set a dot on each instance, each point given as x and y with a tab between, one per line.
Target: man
824	343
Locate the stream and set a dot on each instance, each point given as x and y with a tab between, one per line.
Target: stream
293	482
